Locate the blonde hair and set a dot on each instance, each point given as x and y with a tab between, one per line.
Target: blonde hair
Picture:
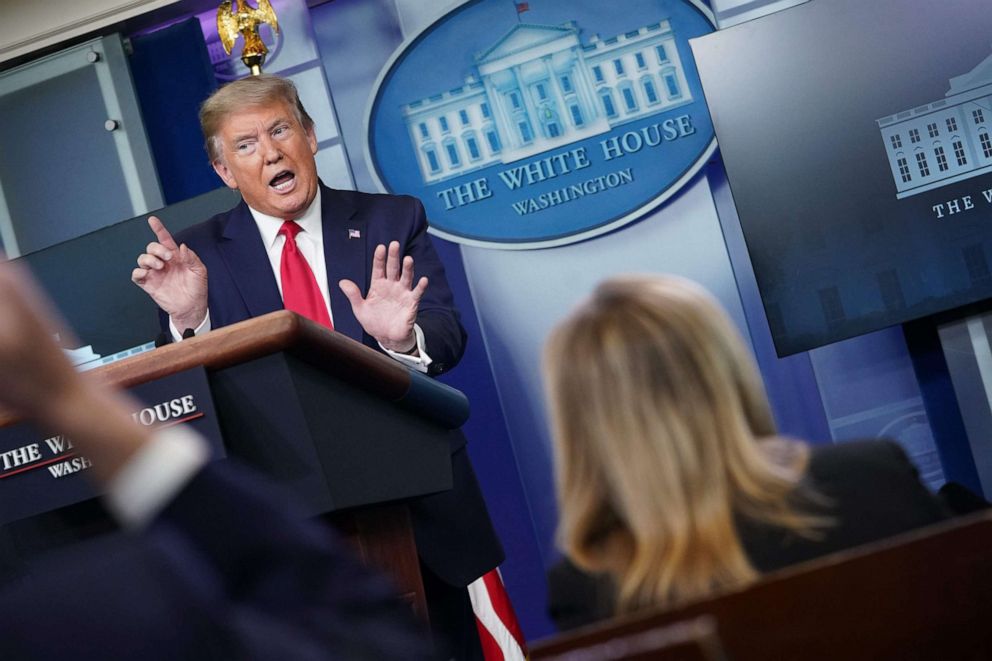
656	409
249	92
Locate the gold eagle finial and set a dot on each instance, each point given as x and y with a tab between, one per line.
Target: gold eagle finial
245	19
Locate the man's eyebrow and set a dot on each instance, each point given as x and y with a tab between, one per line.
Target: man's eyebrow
244	136
254	134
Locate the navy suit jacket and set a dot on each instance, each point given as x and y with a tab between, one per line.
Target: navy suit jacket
229	570
242	285
455	537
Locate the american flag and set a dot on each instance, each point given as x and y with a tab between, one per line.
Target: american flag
499	631
354	234
522	7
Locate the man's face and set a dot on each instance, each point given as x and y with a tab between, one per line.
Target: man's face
268	156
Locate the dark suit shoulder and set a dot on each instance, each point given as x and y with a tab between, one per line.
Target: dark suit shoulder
873	479
876	470
874	487
385	209
870	490
850	459
210	230
362	199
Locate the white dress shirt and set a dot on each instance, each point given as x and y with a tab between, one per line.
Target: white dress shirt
155	474
310	242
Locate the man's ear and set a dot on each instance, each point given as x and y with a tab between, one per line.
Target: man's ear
221	169
312	139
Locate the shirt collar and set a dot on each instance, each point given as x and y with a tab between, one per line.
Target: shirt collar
310	222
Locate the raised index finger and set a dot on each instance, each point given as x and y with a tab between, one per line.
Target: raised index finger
161	233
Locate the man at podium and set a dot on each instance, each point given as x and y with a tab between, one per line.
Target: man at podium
358	263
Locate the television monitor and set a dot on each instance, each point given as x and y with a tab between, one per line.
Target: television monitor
857	139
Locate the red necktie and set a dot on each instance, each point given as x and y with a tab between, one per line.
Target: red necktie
300	292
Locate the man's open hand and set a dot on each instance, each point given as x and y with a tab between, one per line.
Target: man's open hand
389	310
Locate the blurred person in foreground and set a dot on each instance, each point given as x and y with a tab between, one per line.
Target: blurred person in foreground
672	482
212	563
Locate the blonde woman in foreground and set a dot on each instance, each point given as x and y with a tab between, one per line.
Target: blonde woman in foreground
671	481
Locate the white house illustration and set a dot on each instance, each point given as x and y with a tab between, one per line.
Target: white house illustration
945	141
540	87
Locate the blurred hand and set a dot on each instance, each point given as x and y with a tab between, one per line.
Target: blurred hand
33	369
38	382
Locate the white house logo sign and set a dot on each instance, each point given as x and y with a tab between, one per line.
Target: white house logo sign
532	124
944	141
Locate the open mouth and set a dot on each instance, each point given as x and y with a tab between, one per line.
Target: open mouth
283	181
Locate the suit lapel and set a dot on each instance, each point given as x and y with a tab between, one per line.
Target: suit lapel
344	256
248	263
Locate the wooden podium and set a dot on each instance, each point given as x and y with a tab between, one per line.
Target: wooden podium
352	432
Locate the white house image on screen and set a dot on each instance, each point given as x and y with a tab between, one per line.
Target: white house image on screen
540	87
945	141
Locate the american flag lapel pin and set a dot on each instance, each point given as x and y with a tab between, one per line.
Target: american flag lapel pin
354	234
